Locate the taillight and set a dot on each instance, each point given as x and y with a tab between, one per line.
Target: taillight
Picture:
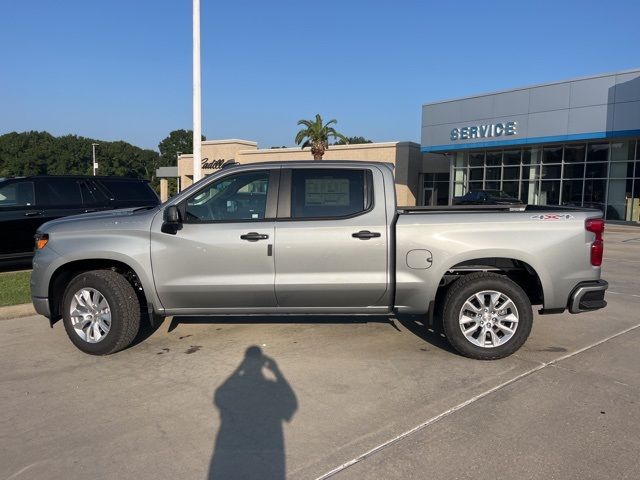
596	226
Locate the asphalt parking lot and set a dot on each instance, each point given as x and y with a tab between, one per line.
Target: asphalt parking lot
347	398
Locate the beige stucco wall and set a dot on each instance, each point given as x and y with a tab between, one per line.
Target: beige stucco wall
405	156
212	150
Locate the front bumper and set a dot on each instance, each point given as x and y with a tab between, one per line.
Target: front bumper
588	296
41	304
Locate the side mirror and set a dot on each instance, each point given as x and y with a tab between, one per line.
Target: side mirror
171	215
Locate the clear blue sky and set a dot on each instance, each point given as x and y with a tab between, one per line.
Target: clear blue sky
114	69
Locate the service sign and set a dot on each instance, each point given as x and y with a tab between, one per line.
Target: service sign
484	131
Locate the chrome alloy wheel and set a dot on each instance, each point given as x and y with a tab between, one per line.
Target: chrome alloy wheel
90	315
488	319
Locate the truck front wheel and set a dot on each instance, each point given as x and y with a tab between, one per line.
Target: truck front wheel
101	312
486	316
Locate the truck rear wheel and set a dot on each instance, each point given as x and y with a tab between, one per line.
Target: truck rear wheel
486	316
101	312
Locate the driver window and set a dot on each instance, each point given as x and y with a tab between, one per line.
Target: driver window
236	197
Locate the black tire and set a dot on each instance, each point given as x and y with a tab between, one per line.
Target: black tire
473	283
124	307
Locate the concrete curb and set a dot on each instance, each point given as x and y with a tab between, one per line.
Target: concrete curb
17	311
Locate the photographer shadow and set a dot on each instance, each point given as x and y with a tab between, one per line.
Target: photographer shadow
252	406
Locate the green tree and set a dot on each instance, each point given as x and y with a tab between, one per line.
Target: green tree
177	141
352	141
40	153
316	134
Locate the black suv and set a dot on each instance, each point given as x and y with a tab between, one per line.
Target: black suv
28	202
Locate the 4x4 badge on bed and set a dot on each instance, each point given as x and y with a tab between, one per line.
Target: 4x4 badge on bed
552	216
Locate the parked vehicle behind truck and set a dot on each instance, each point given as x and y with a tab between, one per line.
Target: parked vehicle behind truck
28	202
317	238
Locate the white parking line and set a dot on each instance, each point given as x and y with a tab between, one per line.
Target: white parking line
460	406
625	260
622	293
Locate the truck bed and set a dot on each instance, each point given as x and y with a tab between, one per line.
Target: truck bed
490	209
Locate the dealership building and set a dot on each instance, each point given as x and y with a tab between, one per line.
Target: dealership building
574	142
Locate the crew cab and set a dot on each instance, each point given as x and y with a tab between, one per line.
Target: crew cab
317	238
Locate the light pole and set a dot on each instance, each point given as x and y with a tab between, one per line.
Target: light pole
178	166
197	112
95	165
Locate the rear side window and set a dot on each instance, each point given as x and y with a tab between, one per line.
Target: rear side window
58	192
124	190
17	194
328	193
92	195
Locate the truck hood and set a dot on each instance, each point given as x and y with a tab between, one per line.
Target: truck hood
109	219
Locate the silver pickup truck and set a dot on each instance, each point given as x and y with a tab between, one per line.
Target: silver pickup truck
317	238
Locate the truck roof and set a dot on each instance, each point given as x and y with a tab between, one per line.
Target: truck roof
318	162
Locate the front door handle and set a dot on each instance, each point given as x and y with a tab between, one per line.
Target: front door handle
254	236
365	235
32	213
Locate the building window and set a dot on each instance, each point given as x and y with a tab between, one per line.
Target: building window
574	170
549	192
574	153
596	170
511	188
531	155
597	152
476	159
551	171
511	173
435	188
572	192
552	154
493	159
512	157
602	174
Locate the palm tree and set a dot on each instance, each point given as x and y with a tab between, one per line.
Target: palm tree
316	134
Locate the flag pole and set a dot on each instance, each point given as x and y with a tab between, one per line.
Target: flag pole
197	107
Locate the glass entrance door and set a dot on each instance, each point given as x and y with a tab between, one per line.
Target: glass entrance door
427	197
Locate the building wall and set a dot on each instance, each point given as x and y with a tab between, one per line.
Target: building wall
214	151
405	156
576	143
601	106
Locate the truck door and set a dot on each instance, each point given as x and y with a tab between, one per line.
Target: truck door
331	238
221	256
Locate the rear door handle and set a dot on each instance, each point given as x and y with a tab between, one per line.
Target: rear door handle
254	236
32	213
365	235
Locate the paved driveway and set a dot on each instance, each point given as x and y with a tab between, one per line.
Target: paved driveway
359	398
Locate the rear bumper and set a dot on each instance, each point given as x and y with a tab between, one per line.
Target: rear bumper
588	296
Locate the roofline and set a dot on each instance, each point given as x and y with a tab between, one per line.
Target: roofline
229	140
259	151
535	85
